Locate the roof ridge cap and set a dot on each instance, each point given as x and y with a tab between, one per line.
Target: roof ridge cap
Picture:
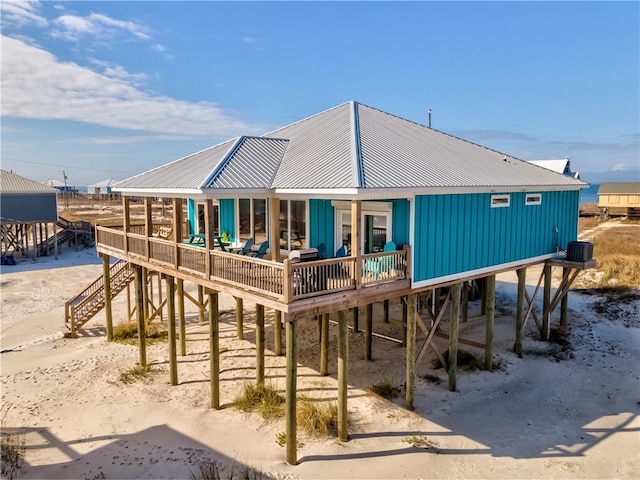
223	162
356	151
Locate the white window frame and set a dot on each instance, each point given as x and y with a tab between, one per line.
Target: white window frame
497	201
368	208
287	248
533	199
199	203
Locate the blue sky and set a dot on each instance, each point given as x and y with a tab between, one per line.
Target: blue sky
110	89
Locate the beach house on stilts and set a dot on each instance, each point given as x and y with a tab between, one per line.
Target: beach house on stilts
341	210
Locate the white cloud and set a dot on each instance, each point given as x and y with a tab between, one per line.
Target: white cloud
118	72
158	48
21	13
35	84
72	27
619	167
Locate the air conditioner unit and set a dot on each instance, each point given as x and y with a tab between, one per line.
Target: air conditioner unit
580	251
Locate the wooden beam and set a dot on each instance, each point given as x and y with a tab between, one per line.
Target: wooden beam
106	277
171	323
259	344
177	230
522	282
148	224
274	228
277	332
355	312
432	331
385	304
214	349
368	331
181	318
453	335
465	301
546	301
142	347
126	222
324	345
291	390
490	286
412	314
403	302
343	373
147	285
239	318
209	234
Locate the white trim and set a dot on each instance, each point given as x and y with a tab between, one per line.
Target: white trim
533	197
412	233
370	206
497	201
482	271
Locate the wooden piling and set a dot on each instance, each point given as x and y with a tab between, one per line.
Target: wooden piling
146	285
181	318
368	331
453	335
386	311
239	318
522	282
546	301
142	336
171	324
465	302
403	301
564	303
291	390
200	304
214	349
277	332
356	319
259	344
489	324
106	274
412	315
343	371
324	345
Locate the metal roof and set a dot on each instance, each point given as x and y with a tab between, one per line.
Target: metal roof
351	146
620	188
105	183
12	183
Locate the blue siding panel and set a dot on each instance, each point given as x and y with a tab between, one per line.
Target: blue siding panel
191	215
227	217
322	225
400	221
458	233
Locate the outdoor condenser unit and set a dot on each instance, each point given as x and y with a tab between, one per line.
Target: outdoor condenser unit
580	251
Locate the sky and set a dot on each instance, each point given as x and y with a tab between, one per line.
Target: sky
104	90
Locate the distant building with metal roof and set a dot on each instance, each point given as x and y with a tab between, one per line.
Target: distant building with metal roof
26	201
619	195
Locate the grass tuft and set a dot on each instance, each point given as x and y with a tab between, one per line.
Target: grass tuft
386	388
315	418
135	373
127	332
260	398
12	449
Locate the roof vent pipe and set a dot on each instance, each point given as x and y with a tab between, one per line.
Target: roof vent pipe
429	112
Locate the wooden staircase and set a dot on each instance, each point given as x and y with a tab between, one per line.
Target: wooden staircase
76	232
86	304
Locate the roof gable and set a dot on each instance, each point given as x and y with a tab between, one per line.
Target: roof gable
13	183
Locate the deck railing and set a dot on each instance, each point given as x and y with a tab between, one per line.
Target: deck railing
284	281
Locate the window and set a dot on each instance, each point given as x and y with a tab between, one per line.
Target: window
633	199
533	199
498	201
375	224
200	219
252	219
293	224
614	198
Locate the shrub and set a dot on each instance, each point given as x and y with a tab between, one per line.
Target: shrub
386	388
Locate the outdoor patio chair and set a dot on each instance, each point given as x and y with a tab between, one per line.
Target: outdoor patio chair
221	244
246	248
261	252
338	271
382	265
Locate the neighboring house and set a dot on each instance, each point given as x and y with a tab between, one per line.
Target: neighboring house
562	166
103	188
25	205
619	195
58	185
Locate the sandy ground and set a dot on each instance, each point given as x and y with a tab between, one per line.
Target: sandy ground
568	409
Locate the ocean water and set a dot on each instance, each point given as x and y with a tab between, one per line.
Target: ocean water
589	195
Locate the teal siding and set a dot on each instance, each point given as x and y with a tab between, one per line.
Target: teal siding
400	221
191	215
458	233
227	217
322	225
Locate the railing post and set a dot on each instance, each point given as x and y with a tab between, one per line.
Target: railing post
287	285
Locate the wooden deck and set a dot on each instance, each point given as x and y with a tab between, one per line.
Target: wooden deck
296	289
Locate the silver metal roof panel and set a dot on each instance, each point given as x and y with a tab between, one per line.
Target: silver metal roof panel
13	183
